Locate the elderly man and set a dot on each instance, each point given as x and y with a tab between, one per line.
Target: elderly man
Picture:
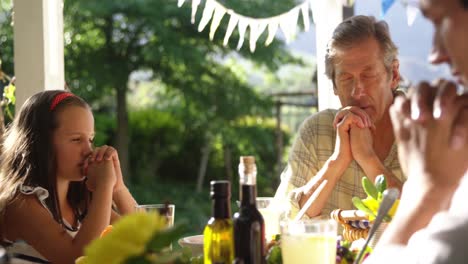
431	224
336	148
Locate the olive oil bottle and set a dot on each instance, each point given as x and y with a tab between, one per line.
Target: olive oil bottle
218	238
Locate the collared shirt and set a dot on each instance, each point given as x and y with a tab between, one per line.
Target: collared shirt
444	240
313	146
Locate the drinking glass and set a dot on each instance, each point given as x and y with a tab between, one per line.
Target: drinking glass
308	241
167	210
271	216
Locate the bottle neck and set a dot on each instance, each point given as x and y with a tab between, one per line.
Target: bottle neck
248	195
221	208
248	186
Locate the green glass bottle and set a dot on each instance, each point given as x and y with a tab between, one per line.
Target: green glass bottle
218	237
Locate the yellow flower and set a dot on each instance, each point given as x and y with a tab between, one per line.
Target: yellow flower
128	238
372	204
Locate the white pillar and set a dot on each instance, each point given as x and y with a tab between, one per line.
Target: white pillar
38	47
327	15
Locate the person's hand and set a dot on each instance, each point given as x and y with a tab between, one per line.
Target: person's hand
431	128
361	141
100	175
344	120
104	153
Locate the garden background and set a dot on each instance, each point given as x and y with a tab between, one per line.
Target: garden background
180	108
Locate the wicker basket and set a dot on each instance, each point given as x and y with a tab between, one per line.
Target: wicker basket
343	217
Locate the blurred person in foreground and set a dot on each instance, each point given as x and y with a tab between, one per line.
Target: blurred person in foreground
336	148
431	127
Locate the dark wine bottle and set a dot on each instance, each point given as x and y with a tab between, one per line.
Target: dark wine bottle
218	239
249	227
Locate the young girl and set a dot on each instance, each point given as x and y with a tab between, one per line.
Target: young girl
56	190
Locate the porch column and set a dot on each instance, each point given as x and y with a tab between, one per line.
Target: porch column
38	47
328	14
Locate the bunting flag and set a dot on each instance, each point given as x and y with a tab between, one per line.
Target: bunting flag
411	13
195	4
412	10
386	4
214	12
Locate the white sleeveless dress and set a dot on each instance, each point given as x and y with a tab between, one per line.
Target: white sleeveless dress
20	250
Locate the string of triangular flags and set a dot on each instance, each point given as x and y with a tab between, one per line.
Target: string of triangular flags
286	22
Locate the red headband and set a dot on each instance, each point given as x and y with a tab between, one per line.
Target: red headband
59	98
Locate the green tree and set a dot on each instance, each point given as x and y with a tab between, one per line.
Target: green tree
6	33
6	37
7	87
107	40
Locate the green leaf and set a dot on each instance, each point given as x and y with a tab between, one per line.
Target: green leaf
277	237
165	237
9	93
380	183
274	255
357	202
369	188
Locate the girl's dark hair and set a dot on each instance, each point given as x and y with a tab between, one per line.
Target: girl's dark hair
28	158
465	3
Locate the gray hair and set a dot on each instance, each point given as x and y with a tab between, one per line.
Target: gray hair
356	29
